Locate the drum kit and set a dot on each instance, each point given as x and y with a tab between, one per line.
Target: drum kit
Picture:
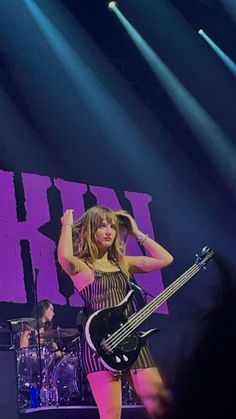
55	371
53	366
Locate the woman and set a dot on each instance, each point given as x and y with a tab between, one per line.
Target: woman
92	252
46	314
29	353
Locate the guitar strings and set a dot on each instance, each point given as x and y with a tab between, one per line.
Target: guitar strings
137	318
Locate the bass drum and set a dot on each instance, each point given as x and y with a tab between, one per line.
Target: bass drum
67	378
28	365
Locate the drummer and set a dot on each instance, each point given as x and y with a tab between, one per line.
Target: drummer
46	314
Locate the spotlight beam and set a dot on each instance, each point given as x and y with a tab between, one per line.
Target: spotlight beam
120	132
220	148
224	57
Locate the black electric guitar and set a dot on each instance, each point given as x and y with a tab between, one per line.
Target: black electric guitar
114	337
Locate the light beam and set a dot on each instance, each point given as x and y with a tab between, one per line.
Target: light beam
224	57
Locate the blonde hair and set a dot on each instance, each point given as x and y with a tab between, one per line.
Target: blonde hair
83	235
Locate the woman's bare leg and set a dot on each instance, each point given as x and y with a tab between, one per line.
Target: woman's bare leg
149	387
106	389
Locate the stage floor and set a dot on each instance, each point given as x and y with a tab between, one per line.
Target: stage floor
79	412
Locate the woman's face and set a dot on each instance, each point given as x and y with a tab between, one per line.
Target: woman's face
49	313
105	234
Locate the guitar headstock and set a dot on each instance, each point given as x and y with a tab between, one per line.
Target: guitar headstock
206	255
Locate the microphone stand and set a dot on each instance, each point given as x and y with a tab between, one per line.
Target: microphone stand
36	273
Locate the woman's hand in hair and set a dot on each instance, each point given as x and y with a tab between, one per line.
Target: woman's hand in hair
127	221
67	218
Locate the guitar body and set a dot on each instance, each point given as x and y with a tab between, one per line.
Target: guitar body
104	323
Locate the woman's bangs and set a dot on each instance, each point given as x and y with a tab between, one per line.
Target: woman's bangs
102	215
111	218
97	220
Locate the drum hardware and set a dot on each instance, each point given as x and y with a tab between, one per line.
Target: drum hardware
36	302
22	324
53	351
48	395
76	339
81	319
86	392
128	395
75	346
59	333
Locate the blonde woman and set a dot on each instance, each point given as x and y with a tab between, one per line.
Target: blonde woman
92	251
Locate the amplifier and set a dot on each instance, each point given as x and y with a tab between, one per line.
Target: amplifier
5	336
8	385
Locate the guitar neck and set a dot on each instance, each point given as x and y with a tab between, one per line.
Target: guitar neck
138	318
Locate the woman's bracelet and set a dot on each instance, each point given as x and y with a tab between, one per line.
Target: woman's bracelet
141	238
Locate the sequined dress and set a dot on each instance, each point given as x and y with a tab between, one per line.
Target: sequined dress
107	290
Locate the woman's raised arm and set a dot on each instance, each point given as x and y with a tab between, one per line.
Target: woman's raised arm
158	257
69	263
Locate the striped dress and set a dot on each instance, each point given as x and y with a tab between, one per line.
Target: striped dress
107	290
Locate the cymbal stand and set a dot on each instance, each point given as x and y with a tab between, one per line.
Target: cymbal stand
76	348
36	271
59	337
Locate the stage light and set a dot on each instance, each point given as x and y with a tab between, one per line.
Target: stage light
221	54
112	5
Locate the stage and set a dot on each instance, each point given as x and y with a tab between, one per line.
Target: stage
79	412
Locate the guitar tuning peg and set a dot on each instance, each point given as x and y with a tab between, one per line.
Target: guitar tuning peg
204	267
196	255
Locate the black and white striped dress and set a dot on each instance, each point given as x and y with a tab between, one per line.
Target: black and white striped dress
107	290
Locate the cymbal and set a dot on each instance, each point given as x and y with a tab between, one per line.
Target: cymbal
22	320
59	333
22	324
22	327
